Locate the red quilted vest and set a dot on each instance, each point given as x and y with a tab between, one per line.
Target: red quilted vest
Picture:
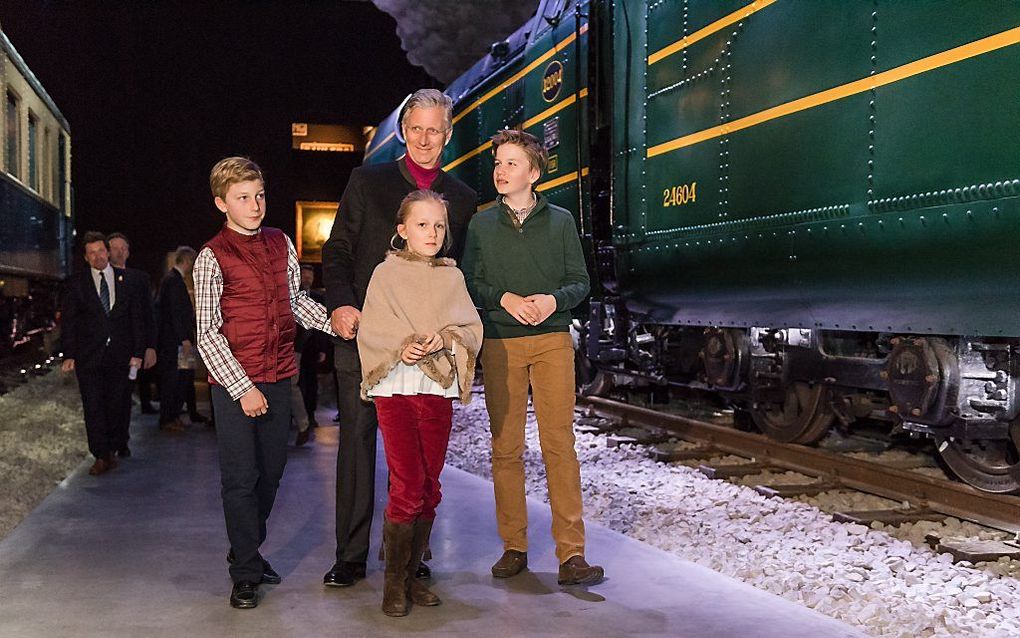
257	318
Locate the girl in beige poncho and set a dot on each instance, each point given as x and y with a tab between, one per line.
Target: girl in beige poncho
418	339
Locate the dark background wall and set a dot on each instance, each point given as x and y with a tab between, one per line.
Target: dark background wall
156	93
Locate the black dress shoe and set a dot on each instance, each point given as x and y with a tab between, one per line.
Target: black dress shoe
148	409
423	572
360	570
269	575
124	452
343	574
244	595
197	418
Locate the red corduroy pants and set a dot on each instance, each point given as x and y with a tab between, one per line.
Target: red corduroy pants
416	432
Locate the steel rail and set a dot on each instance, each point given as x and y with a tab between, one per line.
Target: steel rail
945	496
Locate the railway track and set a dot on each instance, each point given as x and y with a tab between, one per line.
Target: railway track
928	498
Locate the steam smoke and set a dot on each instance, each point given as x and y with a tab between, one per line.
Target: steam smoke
445	37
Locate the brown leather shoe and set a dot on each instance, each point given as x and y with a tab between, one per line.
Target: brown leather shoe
111	461
578	572
302	438
511	563
99	467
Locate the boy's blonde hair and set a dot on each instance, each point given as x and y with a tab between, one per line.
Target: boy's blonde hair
412	198
537	156
232	170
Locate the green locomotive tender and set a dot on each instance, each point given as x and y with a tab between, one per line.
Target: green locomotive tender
812	206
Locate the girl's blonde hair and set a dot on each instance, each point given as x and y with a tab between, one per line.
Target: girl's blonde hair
414	197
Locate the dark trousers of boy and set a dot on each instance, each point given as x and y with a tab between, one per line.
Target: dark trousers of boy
546	362
103	391
253	453
355	461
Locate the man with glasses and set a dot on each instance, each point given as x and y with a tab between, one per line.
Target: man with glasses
358	243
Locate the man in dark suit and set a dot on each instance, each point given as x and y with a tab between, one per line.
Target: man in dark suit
104	341
311	347
357	244
120	252
176	337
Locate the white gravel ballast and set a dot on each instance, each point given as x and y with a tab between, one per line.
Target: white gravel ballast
864	577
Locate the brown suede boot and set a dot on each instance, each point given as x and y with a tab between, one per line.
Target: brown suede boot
416	590
397	539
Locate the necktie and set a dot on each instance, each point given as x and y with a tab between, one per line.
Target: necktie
104	293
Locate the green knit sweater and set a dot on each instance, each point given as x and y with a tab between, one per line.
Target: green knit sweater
543	256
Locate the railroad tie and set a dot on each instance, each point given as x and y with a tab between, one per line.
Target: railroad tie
797	489
737	470
889	516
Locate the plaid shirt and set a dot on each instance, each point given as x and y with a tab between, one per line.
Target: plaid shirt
213	346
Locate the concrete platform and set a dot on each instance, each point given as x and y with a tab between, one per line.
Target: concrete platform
140	552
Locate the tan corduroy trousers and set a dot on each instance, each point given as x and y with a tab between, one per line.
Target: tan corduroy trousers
546	363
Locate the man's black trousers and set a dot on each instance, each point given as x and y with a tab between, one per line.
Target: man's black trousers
355	461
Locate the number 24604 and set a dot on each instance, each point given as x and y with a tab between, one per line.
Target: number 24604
680	194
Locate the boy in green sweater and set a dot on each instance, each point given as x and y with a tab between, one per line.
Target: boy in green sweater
525	270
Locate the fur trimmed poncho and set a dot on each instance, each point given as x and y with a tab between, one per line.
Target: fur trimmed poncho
408	298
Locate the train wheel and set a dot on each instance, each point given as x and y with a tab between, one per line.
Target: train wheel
990	465
804	417
589	380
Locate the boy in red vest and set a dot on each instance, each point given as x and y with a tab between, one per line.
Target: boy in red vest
247	298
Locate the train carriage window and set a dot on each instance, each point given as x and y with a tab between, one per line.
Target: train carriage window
46	180
12	135
33	151
62	173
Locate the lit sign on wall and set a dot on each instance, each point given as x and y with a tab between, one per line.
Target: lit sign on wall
333	138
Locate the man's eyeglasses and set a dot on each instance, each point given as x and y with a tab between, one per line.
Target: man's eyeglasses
417	131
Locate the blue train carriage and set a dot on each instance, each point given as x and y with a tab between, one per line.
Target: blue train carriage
527	81
36	219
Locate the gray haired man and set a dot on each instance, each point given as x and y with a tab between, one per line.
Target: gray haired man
358	243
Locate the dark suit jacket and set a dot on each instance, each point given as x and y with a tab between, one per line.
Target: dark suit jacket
366	220
85	328
140	280
176	313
